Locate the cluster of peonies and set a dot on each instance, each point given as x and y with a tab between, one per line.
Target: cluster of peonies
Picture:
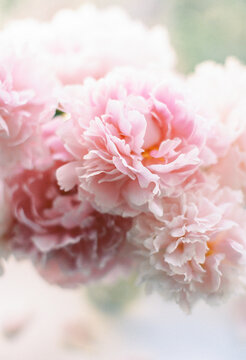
110	161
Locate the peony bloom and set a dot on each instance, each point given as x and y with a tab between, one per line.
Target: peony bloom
26	100
91	42
68	241
134	140
222	92
197	249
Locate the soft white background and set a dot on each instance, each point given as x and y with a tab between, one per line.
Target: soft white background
48	323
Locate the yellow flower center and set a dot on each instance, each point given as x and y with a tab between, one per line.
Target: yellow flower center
146	154
212	244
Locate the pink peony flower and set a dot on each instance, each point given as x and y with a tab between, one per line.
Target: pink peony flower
197	249
26	100
68	241
222	91
134	140
90	42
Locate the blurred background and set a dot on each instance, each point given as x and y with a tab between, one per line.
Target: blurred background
199	29
43	322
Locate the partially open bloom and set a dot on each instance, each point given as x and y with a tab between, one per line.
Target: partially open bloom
26	100
91	42
134	140
222	93
197	250
68	241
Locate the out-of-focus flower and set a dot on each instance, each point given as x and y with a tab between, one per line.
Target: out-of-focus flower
222	93
90	42
134	139
67	240
197	249
26	100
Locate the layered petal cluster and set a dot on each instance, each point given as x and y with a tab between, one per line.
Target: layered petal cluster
134	140
26	100
222	91
91	42
197	249
68	241
134	171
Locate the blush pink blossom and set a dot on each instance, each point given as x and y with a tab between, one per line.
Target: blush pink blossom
68	241
134	140
222	92
91	42
197	250
26	100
